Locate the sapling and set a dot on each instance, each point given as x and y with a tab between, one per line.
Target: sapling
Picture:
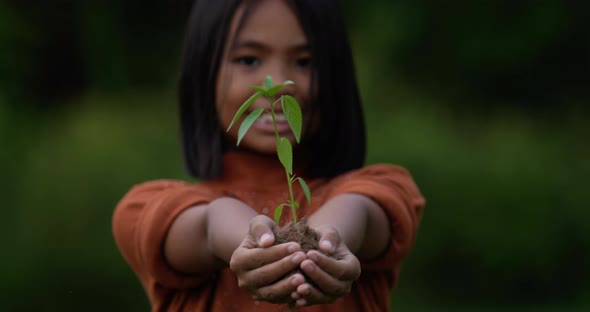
293	115
294	231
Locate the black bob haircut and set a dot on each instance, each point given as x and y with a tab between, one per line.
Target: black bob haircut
339	144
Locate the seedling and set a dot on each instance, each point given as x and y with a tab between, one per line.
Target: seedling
293	115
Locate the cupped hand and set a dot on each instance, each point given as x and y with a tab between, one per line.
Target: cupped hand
261	268
332	274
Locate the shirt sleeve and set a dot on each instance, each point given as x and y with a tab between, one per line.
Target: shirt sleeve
393	188
141	222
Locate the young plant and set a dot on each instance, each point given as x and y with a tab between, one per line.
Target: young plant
293	115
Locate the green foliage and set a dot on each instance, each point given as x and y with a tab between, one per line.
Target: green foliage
272	92
268	82
305	189
278	213
293	115
285	153
244	107
248	123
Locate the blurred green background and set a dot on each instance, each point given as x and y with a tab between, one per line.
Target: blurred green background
485	102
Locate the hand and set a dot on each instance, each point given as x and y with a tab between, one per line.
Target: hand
261	267
332	274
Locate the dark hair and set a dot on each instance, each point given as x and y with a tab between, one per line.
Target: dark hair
341	145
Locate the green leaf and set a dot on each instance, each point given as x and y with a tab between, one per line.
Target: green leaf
244	107
278	213
260	89
273	91
248	123
285	152
305	190
293	115
268	82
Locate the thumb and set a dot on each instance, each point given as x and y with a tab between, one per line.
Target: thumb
329	238
261	230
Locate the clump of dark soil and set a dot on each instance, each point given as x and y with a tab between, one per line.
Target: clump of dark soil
300	233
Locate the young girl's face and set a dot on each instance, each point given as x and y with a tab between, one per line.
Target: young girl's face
269	42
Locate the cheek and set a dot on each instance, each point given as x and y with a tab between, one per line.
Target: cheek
230	99
224	98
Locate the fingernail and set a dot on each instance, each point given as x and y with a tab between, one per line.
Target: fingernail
304	289
265	238
310	267
295	282
313	257
293	248
301	302
297	258
327	244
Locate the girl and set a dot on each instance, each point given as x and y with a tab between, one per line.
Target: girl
209	246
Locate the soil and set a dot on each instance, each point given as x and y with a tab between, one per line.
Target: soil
300	233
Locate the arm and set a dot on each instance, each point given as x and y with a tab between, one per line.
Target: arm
203	238
351	227
363	228
378	226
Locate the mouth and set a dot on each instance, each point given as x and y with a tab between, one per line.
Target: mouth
264	123
267	117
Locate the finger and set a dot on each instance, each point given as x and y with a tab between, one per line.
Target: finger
246	259
271	272
328	284
347	267
281	291
261	229
329	238
311	295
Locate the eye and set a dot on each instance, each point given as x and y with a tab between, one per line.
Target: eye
303	61
248	60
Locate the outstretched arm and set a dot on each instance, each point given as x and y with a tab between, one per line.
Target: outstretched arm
203	238
361	224
164	228
374	217
351	227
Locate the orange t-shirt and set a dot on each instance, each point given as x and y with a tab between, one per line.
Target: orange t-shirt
143	217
